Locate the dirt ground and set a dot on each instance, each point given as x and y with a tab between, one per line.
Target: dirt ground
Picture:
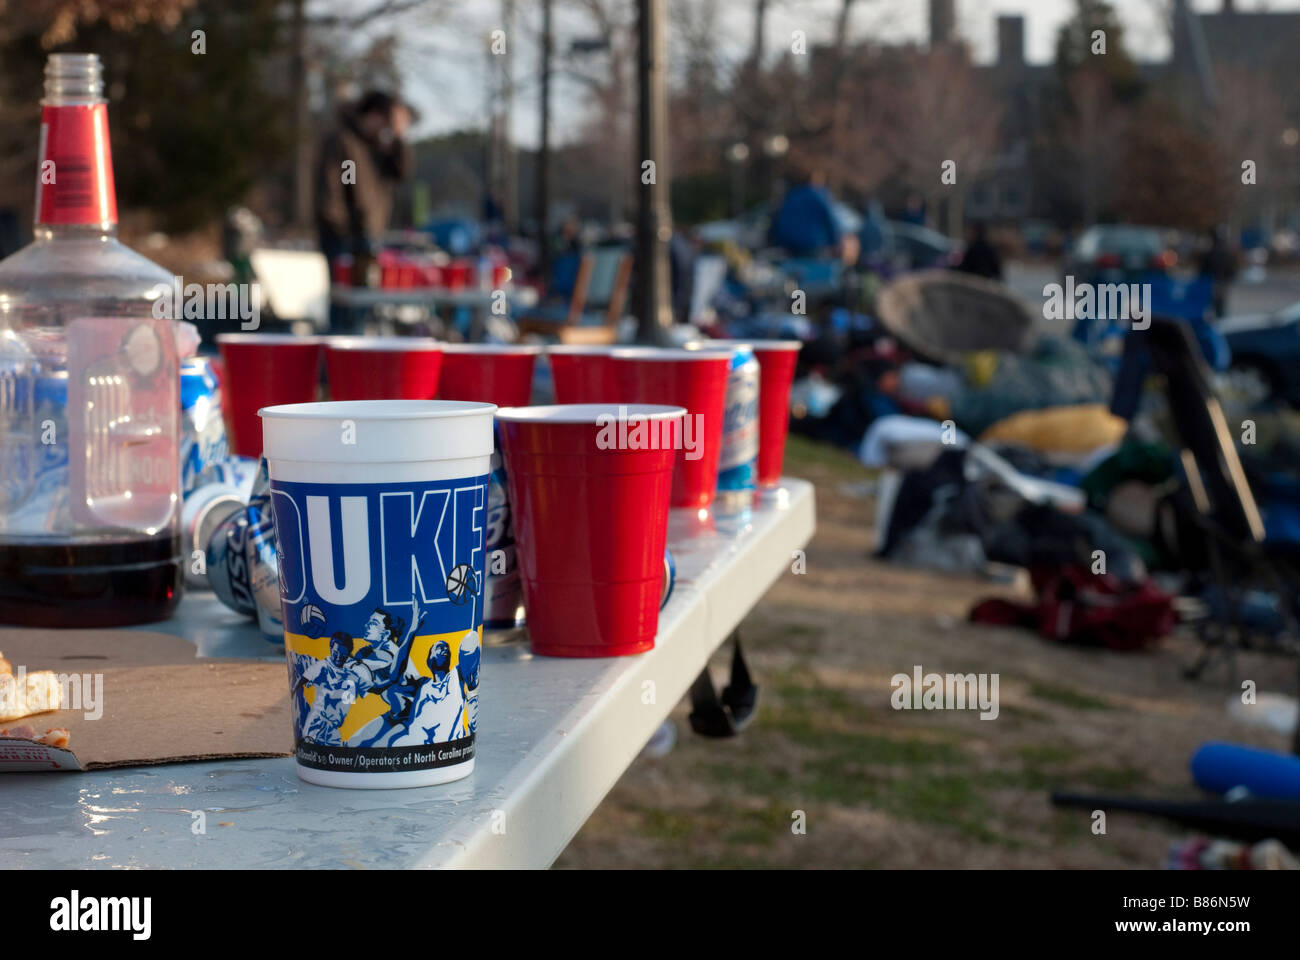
879	787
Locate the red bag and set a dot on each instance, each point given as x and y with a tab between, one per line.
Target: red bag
1096	610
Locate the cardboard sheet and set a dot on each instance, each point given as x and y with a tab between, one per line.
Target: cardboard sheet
159	703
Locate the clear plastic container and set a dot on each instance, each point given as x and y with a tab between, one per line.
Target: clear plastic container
89	392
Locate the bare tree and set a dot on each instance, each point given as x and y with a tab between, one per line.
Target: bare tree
59	19
1251	123
703	120
1093	136
1172	171
940	110
608	77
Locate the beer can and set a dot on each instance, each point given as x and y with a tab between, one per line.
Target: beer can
670	578
503	601
203	511
237	472
738	464
242	562
35	471
203	432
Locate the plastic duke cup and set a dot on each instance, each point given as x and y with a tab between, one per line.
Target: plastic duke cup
380	510
583	373
490	373
697	381
776	366
589	489
261	369
383	368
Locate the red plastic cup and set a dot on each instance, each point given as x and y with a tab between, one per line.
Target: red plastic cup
383	368
583	374
697	381
387	260
430	275
590	512
488	372
776	363
263	370
458	275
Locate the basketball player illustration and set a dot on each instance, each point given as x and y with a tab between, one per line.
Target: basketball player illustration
336	690
467	663
384	667
437	714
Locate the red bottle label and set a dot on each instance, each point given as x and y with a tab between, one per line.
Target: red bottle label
74	182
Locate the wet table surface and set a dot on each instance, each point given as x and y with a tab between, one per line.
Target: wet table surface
554	735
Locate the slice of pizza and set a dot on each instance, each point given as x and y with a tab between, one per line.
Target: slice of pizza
39	692
54	737
6	667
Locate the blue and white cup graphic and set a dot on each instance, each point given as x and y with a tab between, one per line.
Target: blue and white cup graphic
380	515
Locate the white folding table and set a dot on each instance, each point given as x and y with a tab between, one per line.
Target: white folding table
553	737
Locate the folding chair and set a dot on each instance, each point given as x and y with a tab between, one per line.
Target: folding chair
596	306
1223	507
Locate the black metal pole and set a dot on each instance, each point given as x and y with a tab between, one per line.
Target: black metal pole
301	183
653	301
510	173
544	152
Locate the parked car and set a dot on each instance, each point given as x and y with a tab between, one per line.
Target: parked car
1265	354
1118	253
909	246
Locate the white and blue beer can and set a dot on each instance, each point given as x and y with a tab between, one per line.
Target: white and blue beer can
738	463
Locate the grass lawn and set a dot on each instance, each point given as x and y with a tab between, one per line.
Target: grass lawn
830	775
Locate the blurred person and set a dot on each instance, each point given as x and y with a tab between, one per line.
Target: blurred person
805	224
681	262
914	210
980	256
566	257
1218	263
494	219
353	205
874	228
568	239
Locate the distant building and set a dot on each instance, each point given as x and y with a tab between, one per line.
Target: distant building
1005	191
1203	44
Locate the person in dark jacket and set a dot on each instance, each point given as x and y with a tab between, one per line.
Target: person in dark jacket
980	257
805	224
361	162
1219	264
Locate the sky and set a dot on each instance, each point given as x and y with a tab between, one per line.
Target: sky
446	66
